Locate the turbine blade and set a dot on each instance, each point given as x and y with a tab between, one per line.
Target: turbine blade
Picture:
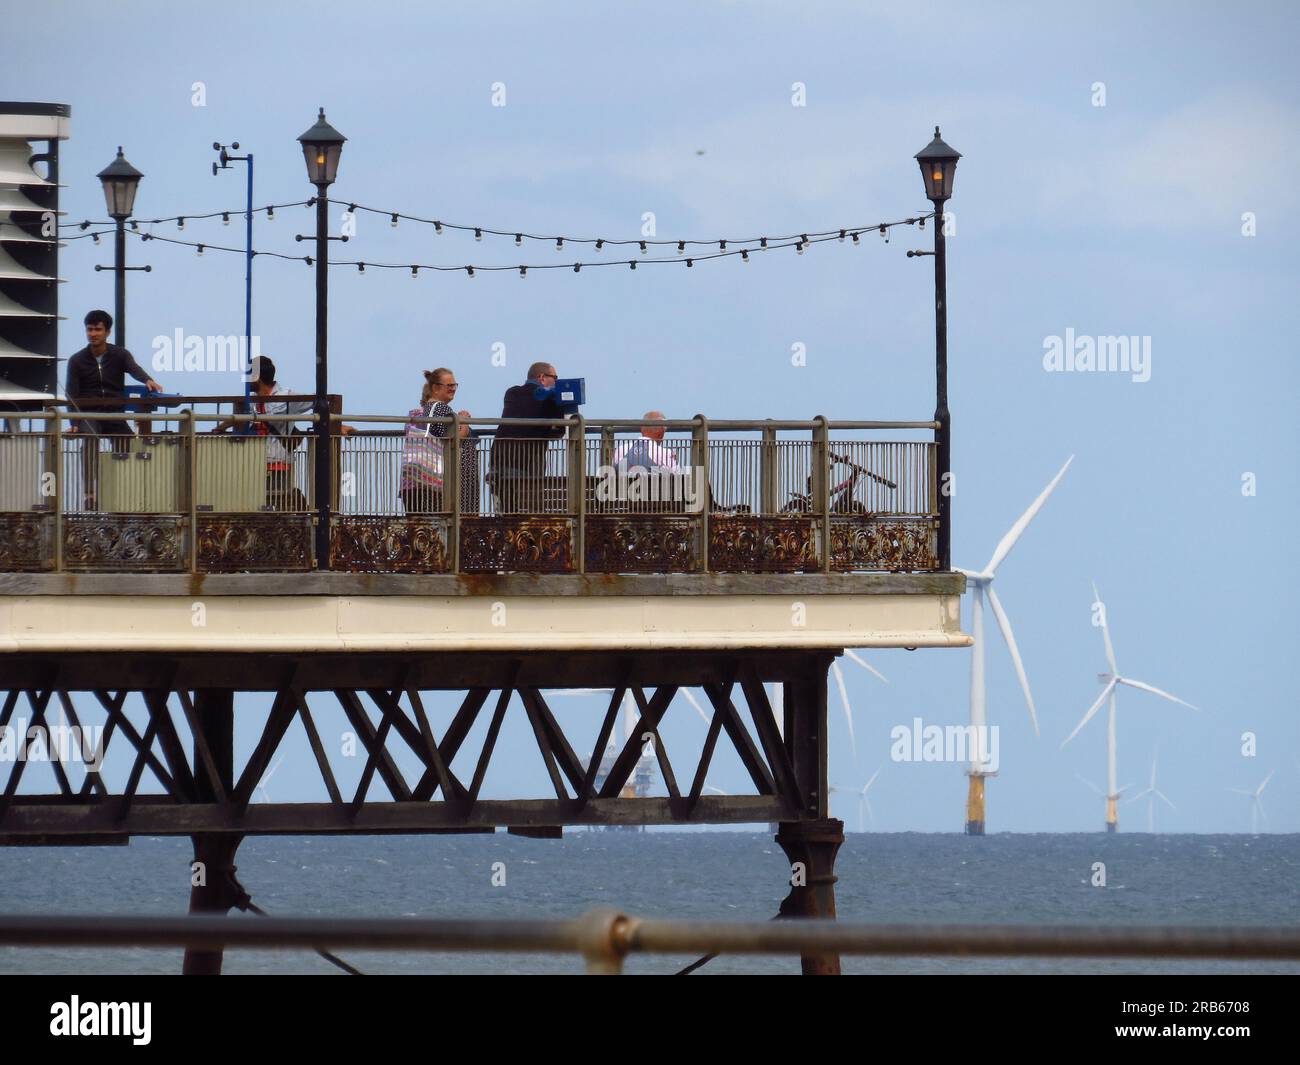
696	703
1156	691
1165	797
1096	790
848	713
871	781
1260	790
865	664
1105	631
1014	533
1110	687
1243	791
1009	636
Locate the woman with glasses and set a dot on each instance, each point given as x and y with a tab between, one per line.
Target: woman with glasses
423	467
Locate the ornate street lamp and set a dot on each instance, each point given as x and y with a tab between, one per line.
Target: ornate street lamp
322	145
938	164
120	180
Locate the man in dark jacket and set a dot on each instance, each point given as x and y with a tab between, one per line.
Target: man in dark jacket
96	378
97	373
519	451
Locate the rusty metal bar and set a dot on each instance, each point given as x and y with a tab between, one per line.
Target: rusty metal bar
58	492
191	484
700	460
451	483
612	935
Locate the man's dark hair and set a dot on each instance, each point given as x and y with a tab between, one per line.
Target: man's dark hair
100	318
264	370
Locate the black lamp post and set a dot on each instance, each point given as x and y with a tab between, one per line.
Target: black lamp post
938	165
321	147
120	180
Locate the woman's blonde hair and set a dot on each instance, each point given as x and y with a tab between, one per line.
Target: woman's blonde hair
431	378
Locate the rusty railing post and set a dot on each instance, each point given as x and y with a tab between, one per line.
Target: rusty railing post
58	489
578	487
700	460
192	467
822	486
451	483
768	471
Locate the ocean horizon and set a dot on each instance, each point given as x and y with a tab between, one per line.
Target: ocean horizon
1088	879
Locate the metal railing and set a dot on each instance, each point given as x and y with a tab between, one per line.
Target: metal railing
83	492
605	938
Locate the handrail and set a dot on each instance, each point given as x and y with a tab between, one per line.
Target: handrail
593	426
606	937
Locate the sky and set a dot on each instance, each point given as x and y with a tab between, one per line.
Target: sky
1126	170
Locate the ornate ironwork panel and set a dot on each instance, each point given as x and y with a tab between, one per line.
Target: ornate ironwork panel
26	542
262	542
138	543
884	543
386	543
641	544
518	544
747	544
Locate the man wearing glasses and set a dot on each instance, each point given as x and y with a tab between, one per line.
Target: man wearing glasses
519	451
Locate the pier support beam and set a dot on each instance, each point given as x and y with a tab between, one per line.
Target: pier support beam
811	847
213	888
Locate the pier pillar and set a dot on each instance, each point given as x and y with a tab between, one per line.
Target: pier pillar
218	891
811	847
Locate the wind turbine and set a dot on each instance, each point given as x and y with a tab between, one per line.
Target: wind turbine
838	674
982	585
1152	791
864	804
1256	805
1112	681
261	784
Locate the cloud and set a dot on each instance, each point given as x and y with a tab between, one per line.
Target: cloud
1203	164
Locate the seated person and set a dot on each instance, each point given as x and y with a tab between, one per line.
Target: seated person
647	453
283	437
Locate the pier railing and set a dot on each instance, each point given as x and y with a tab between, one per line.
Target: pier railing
605	938
80	492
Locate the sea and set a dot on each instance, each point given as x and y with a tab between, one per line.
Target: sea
1092	880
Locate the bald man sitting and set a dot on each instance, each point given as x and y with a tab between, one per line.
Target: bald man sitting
647	453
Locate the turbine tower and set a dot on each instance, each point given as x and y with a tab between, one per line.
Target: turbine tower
1151	792
1256	804
1112	681
982	584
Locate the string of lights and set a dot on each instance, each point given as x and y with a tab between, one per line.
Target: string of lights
202	247
181	219
644	244
757	245
762	244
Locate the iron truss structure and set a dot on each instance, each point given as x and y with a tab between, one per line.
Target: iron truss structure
184	780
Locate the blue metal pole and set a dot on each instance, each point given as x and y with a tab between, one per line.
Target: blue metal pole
248	285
